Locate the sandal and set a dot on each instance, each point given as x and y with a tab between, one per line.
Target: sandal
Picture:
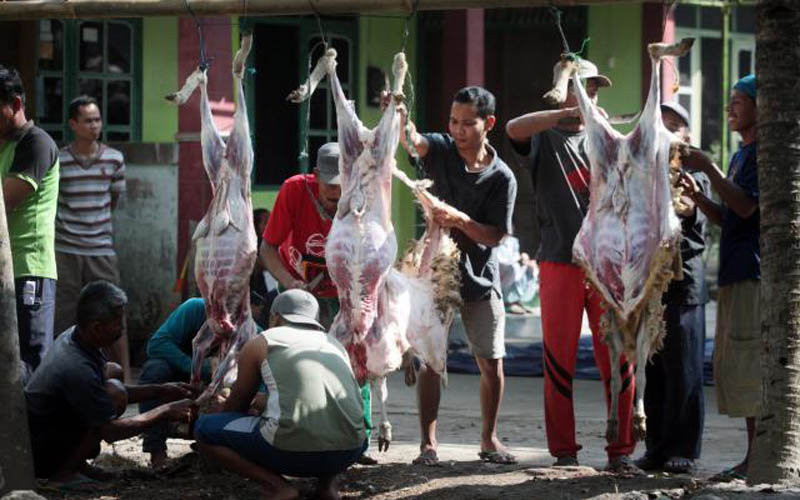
648	462
566	461
427	457
623	465
727	476
497	457
679	465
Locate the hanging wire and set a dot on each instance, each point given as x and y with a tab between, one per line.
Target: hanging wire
556	12
302	158
204	63
409	83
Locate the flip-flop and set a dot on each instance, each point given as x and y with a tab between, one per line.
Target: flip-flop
727	476
497	457
427	457
679	465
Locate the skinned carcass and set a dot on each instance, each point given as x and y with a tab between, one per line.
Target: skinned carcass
225	239
385	311
629	242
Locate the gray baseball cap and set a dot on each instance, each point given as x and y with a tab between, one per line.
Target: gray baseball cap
297	306
328	163
674	106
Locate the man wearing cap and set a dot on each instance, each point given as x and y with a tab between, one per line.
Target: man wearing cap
737	375
312	424
551	144
673	397
293	245
293	248
169	359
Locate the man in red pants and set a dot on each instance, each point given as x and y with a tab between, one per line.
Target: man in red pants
551	144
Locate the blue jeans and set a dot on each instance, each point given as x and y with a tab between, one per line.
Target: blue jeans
36	301
157	371
242	433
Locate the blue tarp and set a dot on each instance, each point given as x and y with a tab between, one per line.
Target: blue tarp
525	360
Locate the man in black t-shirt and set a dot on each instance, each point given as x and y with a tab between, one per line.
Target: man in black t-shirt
468	174
673	398
551	145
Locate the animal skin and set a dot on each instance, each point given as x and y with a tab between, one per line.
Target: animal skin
629	243
385	311
225	239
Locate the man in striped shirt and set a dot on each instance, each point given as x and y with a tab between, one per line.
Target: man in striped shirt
92	179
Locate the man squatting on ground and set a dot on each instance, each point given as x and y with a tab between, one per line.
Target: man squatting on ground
75	397
468	174
737	368
169	359
551	144
673	397
29	172
293	245
92	179
313	422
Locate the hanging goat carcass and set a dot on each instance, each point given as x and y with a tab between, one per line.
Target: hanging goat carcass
629	242
225	240
385	311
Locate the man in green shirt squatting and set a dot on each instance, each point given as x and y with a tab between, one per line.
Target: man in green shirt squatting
299	433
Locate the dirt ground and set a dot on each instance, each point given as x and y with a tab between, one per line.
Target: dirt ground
460	474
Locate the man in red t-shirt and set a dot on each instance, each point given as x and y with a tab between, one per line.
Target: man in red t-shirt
293	248
293	245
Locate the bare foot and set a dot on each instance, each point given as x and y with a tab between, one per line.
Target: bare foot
283	493
328	488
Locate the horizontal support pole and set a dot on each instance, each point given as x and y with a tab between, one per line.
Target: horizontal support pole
44	9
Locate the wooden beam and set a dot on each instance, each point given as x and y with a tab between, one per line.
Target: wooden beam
39	9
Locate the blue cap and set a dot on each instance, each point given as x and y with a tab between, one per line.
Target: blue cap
747	85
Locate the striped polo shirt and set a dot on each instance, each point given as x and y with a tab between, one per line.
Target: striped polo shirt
83	220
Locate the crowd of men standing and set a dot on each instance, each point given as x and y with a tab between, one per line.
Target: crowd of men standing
66	234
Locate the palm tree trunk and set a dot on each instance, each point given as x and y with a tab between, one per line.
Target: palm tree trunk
16	465
776	453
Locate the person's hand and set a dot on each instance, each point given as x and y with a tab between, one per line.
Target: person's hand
696	159
183	410
258	404
173	391
688	184
297	284
447	216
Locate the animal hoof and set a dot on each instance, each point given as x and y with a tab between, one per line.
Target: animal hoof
383	444
639	428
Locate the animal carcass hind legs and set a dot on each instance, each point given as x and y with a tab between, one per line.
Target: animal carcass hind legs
378	386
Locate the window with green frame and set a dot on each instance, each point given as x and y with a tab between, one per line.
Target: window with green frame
100	58
280	57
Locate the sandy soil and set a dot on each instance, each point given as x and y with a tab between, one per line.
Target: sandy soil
460	474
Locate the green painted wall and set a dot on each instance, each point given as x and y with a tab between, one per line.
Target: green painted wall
159	78
380	38
616	48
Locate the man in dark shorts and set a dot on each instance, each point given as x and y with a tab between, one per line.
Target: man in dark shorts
468	174
73	402
29	173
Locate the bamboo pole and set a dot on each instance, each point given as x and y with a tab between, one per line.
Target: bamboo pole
39	9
